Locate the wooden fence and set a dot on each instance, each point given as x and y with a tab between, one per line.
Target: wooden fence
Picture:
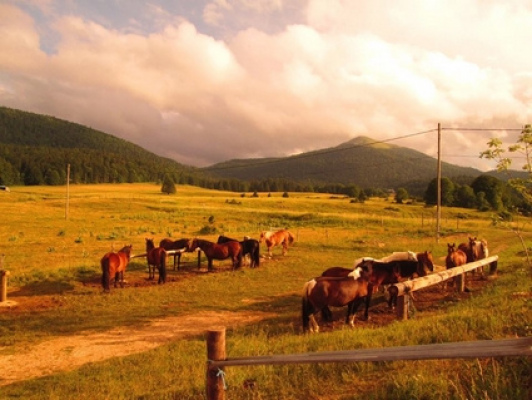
404	290
217	361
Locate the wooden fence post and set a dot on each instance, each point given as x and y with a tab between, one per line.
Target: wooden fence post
3	280
402	306
215	375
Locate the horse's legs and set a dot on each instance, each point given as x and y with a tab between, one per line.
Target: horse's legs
209	264
314	327
326	314
116	279
121	279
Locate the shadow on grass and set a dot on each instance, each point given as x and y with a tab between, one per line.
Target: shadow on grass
46	287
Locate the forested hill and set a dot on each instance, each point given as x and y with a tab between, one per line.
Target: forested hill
361	161
35	149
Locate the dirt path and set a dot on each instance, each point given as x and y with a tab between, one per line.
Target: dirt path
68	353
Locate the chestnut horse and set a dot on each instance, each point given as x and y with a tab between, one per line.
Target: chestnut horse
249	246
386	271
217	251
169	244
156	257
322	292
272	239
114	264
455	257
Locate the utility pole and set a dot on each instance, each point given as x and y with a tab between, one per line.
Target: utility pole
438	206
67	191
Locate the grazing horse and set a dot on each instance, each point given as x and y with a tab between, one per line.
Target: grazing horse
217	251
169	244
156	257
322	292
272	239
114	264
389	270
249	246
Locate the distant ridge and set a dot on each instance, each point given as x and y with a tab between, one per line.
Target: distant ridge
362	161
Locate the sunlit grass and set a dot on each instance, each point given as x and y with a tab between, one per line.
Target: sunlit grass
57	260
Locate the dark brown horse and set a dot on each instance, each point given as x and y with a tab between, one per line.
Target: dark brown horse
281	237
114	264
322	292
388	270
249	246
156	257
178	245
215	251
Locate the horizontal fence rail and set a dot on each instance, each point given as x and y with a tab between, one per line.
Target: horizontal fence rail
217	361
440	351
438	277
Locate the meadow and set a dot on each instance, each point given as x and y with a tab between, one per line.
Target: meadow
52	253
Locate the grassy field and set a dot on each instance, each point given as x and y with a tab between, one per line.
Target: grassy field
53	259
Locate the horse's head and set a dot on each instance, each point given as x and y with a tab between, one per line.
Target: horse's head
472	241
149	244
126	249
451	248
425	262
262	236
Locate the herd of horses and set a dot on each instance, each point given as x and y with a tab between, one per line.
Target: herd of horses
114	263
339	287
335	287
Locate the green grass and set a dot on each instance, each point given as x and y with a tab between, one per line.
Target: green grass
54	262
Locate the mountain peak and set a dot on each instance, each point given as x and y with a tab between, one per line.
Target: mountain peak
366	141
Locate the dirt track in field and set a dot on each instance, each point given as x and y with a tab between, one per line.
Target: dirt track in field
70	352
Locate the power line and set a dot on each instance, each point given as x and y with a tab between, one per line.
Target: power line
319	152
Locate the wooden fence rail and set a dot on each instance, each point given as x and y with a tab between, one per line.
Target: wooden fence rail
404	289
217	360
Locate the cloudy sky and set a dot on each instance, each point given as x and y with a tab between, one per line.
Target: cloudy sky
204	81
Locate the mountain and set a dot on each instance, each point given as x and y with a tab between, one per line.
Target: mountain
35	149
361	161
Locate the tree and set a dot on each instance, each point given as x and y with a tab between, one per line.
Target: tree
168	185
492	188
523	145
401	195
447	192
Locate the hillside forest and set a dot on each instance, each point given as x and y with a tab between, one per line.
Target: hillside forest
36	149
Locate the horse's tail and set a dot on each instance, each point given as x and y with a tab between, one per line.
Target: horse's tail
162	267
306	306
105	273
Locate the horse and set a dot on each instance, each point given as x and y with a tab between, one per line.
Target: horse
475	249
389	270
169	244
455	257
249	246
217	251
114	264
280	237
156	257
322	292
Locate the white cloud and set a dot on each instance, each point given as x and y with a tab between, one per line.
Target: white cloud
381	69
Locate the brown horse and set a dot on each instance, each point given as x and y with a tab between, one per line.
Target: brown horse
215	251
114	264
249	246
475	249
178	245
272	239
388	270
455	257
323	292
156	257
